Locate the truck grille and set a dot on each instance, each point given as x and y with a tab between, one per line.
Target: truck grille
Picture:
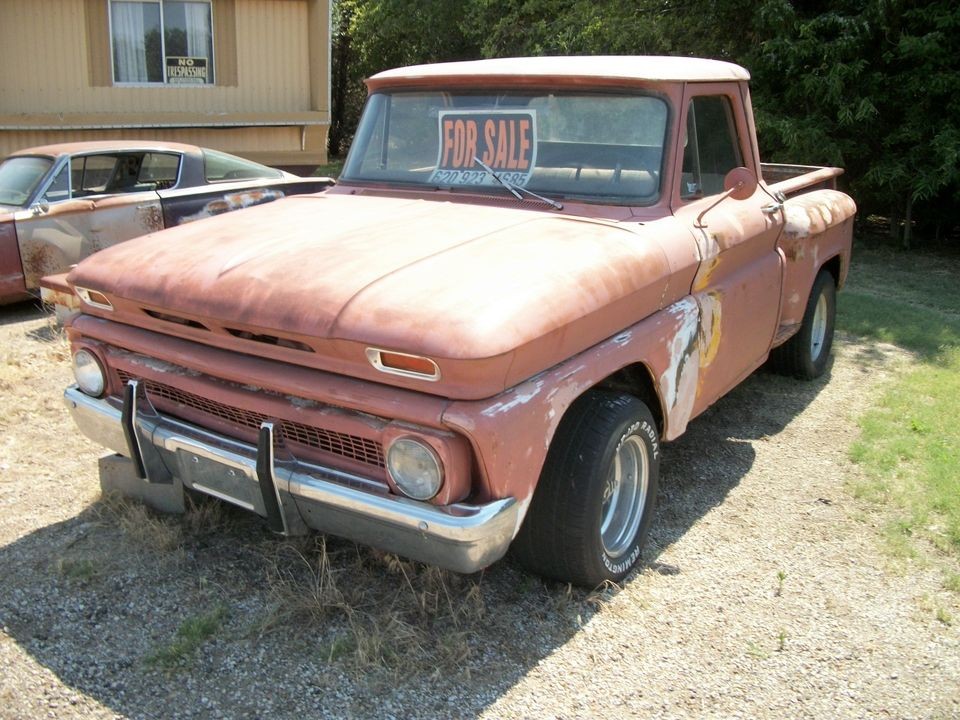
352	447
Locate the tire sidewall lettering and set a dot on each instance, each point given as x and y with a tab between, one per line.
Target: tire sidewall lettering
647	431
644	429
616	568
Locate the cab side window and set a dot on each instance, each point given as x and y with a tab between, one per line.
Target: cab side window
711	147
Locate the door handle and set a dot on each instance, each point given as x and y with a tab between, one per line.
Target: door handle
772	208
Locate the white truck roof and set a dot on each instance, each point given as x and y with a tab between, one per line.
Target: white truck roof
626	67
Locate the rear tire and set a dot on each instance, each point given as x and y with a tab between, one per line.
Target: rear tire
807	353
595	499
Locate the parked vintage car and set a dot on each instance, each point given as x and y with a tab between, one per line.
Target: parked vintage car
531	273
61	203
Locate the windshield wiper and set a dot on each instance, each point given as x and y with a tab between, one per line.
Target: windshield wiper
515	190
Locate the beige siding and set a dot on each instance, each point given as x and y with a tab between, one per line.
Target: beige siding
46	64
42	54
242	141
272	57
273	63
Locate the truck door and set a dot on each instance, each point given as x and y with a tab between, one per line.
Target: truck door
92	203
737	285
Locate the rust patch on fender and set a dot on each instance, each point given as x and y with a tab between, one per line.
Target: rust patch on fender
150	218
794	248
233	201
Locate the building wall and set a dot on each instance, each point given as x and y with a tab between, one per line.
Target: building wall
271	68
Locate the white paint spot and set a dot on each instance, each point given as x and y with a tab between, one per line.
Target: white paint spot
520	398
798	221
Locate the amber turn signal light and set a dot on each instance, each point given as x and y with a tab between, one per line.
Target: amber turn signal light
403	364
92	297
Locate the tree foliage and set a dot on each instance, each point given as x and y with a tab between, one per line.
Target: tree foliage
374	35
871	85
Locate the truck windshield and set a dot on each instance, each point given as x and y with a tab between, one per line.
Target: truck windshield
19	177
588	146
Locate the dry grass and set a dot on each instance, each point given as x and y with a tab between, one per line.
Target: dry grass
144	527
398	615
364	608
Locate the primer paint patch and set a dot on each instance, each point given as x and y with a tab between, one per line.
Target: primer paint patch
813	213
678	383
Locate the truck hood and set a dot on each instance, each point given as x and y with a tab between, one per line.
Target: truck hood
493	294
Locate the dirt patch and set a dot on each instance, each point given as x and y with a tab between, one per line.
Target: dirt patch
763	591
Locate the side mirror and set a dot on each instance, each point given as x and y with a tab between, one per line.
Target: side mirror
41	208
739	184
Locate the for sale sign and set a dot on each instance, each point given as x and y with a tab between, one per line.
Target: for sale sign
503	140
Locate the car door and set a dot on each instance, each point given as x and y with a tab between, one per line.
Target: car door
737	285
92	202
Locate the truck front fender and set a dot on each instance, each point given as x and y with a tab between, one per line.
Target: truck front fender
512	432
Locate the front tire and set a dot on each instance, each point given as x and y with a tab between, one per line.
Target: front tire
595	499
807	353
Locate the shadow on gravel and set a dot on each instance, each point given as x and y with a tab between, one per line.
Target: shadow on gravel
209	615
19	312
706	462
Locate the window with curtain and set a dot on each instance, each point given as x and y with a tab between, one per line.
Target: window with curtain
162	41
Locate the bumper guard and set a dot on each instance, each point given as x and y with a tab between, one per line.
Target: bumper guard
291	494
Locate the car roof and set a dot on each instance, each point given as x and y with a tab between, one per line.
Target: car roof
93	146
623	67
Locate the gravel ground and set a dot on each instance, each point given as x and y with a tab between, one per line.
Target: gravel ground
763	592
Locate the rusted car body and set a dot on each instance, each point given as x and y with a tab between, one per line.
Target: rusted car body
480	337
61	203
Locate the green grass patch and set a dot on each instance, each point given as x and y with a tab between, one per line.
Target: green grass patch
331	169
910	440
76	569
924	330
191	634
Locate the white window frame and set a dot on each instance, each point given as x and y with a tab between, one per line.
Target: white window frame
163	49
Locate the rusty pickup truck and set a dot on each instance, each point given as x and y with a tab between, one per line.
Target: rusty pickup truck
531	274
61	203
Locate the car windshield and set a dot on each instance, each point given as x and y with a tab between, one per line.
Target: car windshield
589	146
19	177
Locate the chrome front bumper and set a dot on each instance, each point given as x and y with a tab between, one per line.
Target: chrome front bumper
291	494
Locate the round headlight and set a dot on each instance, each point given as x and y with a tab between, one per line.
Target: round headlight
89	374
415	468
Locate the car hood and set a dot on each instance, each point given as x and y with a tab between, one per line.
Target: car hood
493	294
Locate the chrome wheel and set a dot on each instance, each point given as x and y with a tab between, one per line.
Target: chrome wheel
624	497
818	328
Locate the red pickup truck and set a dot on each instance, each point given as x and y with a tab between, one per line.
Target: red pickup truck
531	274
